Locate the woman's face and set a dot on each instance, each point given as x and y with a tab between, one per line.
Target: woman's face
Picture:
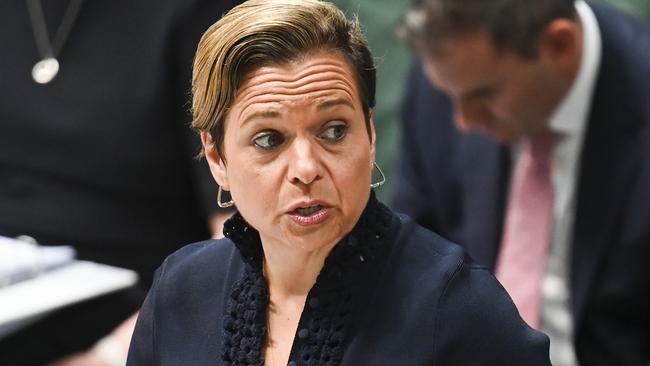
297	151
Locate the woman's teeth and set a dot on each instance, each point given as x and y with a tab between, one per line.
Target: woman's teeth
307	211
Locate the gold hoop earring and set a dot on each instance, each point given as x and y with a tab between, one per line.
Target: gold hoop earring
223	204
382	180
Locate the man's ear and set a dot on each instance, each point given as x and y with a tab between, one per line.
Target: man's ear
216	163
561	44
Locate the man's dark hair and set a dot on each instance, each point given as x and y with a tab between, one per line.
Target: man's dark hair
513	25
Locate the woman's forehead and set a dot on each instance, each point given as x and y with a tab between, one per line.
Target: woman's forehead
317	77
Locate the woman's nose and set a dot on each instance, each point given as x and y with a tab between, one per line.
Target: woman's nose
304	165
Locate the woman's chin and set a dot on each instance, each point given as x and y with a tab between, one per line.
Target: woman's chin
312	234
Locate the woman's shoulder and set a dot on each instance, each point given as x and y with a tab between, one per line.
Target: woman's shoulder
201	262
461	300
430	250
445	266
201	249
202	252
424	268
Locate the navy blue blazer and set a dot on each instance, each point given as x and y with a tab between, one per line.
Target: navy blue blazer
455	184
391	293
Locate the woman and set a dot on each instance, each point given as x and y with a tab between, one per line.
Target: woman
314	270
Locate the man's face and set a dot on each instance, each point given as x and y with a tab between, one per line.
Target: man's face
495	92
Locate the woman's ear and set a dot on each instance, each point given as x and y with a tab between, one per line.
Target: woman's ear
373	138
216	163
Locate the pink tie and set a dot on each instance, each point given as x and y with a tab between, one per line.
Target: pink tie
526	234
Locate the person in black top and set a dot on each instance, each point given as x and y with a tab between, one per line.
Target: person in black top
98	154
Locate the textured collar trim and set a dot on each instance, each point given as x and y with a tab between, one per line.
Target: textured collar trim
326	322
373	223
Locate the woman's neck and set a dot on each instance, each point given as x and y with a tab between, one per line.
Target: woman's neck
290	274
290	271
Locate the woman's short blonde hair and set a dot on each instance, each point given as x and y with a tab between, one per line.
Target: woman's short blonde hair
260	33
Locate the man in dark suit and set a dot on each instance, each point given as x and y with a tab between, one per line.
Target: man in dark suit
507	72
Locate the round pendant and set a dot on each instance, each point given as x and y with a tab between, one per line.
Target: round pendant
45	70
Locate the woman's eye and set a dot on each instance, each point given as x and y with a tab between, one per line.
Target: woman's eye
268	140
335	132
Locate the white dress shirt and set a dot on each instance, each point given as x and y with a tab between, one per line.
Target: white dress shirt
569	122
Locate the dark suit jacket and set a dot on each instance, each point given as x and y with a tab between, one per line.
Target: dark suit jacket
455	184
391	293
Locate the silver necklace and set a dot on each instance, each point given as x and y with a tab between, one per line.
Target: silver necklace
48	67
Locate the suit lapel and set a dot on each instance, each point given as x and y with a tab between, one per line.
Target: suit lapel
609	165
484	183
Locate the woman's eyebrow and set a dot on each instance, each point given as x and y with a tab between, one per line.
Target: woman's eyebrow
261	115
335	102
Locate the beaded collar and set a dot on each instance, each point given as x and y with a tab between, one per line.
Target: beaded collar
330	302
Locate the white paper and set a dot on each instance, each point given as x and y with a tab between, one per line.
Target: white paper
57	288
21	260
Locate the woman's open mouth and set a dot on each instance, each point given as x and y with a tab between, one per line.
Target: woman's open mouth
309	215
